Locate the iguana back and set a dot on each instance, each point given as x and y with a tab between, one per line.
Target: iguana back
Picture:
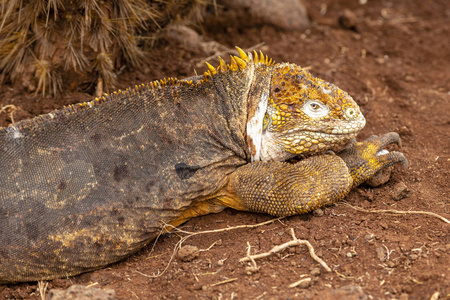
88	185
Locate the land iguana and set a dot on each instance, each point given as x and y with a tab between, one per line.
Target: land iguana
88	185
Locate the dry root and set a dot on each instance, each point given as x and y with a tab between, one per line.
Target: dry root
280	248
43	285
10	108
393	211
168	227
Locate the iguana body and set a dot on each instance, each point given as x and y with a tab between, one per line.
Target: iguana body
88	185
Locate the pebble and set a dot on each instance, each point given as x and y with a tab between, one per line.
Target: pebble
348	292
305	284
381	254
391	264
380	178
347	19
318	212
284	14
369	237
404	296
400	191
188	253
80	292
315	271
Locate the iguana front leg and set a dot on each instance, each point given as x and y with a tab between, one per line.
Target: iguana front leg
283	189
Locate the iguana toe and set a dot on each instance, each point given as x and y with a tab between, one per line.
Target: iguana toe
365	159
386	139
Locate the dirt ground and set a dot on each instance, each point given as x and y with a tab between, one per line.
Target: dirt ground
394	59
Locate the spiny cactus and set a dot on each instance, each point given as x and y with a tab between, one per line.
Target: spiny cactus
54	42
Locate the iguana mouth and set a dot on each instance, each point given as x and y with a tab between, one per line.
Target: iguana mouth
337	130
322	131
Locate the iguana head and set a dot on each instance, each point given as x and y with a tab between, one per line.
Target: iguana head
291	112
304	115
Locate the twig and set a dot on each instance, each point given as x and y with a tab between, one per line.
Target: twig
190	234
221	229
209	248
435	296
224	281
297	283
134	294
280	248
10	108
254	268
92	284
393	211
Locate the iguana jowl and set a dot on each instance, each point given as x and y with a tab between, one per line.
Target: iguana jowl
88	185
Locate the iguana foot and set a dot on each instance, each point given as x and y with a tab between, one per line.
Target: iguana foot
365	159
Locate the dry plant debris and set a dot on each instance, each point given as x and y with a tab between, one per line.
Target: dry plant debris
47	42
168	227
393	211
280	248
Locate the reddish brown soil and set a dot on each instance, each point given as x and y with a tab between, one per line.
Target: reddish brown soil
395	62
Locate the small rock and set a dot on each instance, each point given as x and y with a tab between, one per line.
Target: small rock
380	178
380	60
186	37
348	292
315	271
391	264
80	292
349	255
414	256
381	254
249	270
318	212
284	14
400	191
369	237
404	296
347	19
188	253
407	289
305	284
365	194
384	225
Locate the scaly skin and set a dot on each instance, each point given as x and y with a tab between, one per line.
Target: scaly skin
283	189
90	184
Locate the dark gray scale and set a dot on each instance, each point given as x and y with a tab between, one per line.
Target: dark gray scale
84	187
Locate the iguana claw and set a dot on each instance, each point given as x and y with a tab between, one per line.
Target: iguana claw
365	159
386	139
390	158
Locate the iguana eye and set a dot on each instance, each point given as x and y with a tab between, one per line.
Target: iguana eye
314	106
315	109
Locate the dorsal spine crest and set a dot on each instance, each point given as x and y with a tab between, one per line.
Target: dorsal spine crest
237	63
